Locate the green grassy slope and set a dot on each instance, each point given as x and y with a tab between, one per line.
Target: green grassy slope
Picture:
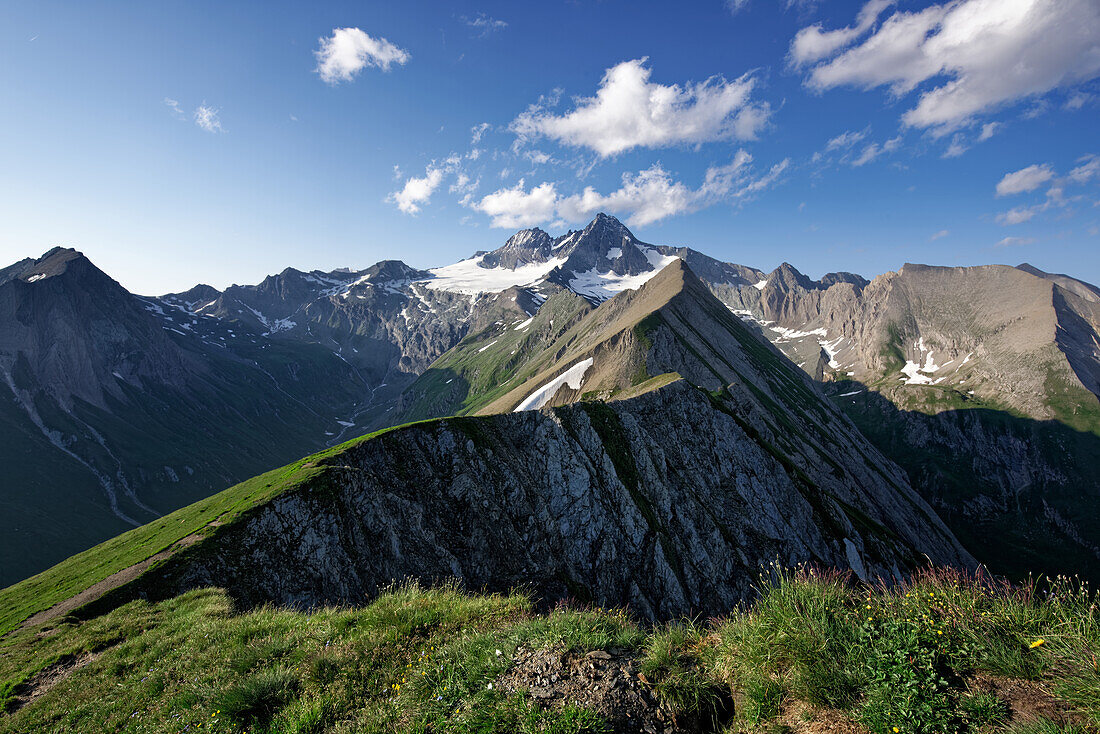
942	653
77	573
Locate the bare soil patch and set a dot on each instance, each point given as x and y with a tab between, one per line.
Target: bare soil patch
1028	700
114	581
48	677
604	682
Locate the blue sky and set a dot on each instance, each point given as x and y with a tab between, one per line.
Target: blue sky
209	142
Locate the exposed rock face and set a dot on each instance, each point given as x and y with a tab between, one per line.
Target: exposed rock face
664	502
981	382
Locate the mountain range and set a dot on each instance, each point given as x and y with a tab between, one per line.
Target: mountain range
970	393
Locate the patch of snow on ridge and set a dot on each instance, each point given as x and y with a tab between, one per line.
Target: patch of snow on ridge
760	286
912	370
605	285
574	377
788	334
614	253
832	349
469	278
522	326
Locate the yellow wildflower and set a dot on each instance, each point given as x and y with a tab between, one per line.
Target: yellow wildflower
1037	643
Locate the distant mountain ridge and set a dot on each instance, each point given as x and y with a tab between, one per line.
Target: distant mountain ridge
906	355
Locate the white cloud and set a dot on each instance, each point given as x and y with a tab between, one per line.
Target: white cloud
813	44
174	105
1077	101
643	198
477	132
349	50
417	190
939	235
988	130
463	185
1015	241
1026	179
648	196
847	139
485	24
1018	215
537	157
957	147
978	55
517	208
207	118
736	6
629	111
1088	169
869	153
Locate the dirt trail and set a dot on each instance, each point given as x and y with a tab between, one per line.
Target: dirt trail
114	581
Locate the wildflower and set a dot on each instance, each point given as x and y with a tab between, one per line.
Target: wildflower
896	730
1037	643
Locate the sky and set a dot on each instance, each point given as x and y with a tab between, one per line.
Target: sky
219	142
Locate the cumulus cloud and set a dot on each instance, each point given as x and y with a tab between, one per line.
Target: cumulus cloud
207	118
977	54
630	111
417	190
643	197
517	208
1026	179
349	50
813	44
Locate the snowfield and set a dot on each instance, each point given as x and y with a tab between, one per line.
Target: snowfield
605	285
469	278
574	377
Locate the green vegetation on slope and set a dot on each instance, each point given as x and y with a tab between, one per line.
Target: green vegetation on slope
83	570
944	653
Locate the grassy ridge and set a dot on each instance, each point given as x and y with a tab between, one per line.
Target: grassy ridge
77	573
900	660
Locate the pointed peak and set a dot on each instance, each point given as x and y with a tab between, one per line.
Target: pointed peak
527	238
525	246
787	275
392	270
56	261
606	222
